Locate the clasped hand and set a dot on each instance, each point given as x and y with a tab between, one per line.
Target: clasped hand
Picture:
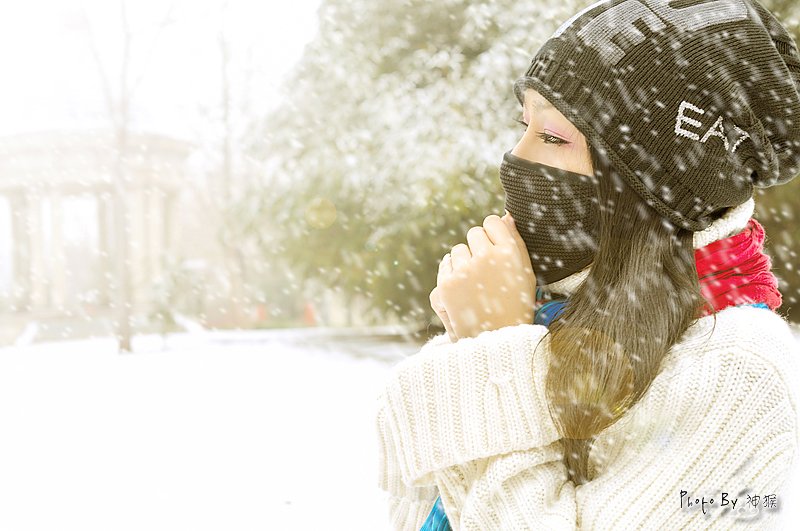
487	283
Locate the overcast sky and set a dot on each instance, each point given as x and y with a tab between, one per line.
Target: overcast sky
51	81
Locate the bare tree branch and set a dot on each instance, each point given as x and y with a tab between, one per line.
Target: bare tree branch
166	21
101	70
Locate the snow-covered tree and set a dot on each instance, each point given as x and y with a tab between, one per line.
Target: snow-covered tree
387	147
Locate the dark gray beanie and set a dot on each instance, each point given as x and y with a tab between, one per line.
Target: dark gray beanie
694	102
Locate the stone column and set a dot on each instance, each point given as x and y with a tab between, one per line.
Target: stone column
21	250
39	286
58	277
105	244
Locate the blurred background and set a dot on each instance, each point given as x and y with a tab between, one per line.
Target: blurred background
249	200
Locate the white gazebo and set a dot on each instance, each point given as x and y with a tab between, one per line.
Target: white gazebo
56	216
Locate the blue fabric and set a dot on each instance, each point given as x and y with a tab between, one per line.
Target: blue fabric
548	310
437	519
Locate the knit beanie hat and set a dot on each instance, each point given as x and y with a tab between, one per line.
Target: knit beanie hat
693	102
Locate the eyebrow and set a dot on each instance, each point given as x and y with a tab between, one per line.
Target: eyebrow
523	83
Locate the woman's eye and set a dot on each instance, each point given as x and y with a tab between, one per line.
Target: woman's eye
550	139
547	139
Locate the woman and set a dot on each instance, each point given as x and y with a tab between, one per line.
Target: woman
662	395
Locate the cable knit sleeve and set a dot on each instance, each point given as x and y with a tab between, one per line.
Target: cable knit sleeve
408	506
455	402
469	418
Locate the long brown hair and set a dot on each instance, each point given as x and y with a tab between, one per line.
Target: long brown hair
641	294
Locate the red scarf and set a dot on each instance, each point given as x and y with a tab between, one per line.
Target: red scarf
735	271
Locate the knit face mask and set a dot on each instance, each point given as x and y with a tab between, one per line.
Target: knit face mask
556	214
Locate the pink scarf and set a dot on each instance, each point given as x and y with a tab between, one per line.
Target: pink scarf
735	271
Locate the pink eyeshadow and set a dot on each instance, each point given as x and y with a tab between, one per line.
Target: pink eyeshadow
556	132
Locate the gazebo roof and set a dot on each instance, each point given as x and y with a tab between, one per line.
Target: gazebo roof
87	159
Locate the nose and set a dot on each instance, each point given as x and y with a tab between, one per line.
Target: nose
523	152
516	149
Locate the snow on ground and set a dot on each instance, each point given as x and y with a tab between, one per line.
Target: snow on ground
219	431
202	436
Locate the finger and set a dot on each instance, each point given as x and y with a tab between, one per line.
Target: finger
523	249
460	256
497	230
441	312
445	269
436	301
478	241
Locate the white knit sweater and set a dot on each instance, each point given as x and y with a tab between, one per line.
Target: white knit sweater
468	421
